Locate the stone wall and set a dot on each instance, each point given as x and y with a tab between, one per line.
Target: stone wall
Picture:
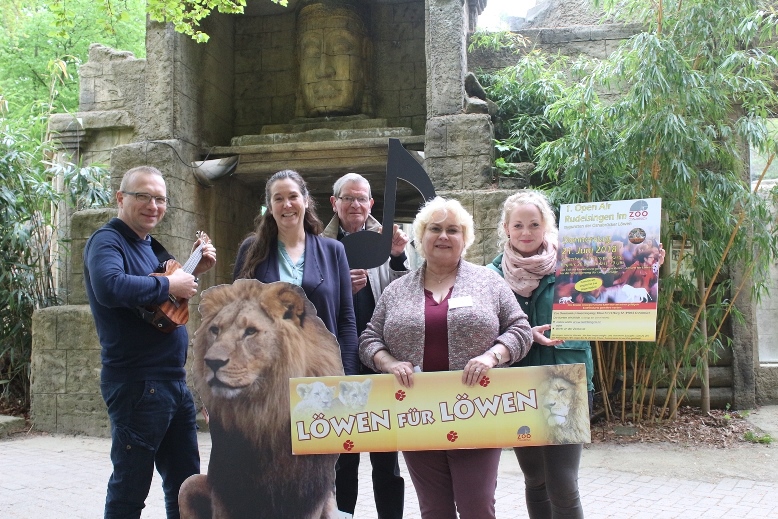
265	71
177	79
458	151
112	96
595	41
171	108
767	332
266	68
485	206
399	64
65	388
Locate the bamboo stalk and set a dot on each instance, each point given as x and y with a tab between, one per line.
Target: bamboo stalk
705	380
605	398
623	379
696	320
741	217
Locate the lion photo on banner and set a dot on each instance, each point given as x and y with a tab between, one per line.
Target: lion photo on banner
565	409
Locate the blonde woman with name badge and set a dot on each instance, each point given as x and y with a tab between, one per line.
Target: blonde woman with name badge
447	315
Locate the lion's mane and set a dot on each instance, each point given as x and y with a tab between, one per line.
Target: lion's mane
254	337
575	428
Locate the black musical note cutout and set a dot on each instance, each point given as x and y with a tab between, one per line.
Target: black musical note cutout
367	250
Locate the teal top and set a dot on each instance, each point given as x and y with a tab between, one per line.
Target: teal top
288	270
538	308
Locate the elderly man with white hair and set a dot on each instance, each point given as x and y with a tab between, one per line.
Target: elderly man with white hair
351	201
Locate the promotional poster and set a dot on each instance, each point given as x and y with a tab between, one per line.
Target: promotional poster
607	275
509	407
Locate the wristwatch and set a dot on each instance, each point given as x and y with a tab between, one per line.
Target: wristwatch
497	356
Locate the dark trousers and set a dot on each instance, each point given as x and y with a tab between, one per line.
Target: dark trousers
551	480
153	423
388	485
448	482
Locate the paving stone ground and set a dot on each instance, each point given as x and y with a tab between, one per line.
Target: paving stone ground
58	476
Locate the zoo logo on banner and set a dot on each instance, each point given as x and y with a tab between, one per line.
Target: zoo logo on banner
639	210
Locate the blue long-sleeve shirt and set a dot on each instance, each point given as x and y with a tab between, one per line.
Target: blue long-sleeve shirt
117	264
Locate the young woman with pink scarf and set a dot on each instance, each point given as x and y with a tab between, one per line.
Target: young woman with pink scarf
528	234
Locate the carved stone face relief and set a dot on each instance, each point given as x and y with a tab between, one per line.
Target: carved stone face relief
332	48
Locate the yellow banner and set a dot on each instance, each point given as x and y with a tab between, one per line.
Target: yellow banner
509	407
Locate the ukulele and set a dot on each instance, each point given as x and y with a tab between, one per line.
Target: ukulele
174	311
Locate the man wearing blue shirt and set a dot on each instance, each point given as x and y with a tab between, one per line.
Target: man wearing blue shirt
143	380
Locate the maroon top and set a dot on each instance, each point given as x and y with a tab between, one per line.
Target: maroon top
435	332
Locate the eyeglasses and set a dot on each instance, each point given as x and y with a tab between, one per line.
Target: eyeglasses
145	198
361	200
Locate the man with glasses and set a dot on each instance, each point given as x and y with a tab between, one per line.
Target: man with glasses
143	380
351	202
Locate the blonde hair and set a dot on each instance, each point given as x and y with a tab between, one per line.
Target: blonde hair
437	210
528	197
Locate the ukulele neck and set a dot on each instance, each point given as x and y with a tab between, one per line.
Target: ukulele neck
193	260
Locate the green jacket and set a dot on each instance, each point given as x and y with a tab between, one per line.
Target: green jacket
539	313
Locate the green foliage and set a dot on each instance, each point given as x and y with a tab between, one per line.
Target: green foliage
759	160
120	19
86	186
495	41
522	93
186	15
41	39
27	198
764	439
25	270
667	115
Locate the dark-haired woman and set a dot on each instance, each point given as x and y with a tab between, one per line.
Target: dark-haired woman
286	246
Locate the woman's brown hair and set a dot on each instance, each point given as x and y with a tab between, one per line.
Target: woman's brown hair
265	227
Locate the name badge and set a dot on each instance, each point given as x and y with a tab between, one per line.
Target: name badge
458	302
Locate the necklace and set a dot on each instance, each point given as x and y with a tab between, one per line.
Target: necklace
440	280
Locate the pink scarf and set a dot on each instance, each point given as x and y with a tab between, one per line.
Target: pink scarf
524	274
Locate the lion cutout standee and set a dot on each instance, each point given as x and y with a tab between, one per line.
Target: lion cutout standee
253	337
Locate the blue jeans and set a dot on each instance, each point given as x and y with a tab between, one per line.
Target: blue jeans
152	423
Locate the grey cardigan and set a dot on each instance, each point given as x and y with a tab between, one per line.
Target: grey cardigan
494	316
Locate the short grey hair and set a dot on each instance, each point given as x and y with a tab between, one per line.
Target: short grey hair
437	210
337	187
128	177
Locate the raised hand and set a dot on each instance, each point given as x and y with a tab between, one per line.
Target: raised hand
399	241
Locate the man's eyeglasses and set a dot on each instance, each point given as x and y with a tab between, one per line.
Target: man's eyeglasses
361	200
145	198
